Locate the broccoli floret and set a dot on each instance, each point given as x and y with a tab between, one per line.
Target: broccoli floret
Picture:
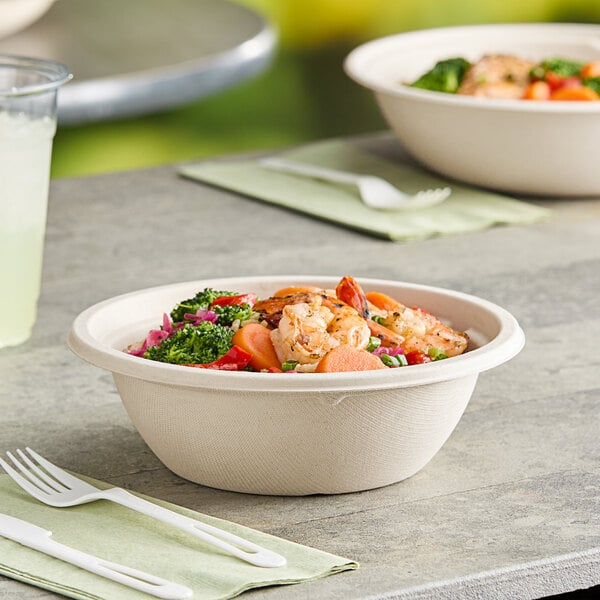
226	315
193	344
593	83
446	76
560	66
202	299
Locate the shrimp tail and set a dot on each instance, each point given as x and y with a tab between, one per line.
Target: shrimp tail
349	291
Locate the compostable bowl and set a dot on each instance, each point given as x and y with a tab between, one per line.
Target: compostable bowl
16	15
529	147
293	434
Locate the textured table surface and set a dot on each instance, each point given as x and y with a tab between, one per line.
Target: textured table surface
509	508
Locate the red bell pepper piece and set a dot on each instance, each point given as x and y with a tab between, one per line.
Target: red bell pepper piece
239	299
556	81
234	359
417	358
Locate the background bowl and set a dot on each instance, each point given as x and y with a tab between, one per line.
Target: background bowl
293	434
542	148
18	14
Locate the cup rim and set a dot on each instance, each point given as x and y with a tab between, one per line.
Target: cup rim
56	73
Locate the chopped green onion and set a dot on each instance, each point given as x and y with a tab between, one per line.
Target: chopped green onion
289	365
378	319
374	342
436	354
402	360
389	361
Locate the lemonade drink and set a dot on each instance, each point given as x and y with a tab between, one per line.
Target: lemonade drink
28	89
25	151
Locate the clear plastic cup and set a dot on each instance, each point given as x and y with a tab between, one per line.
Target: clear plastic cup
28	89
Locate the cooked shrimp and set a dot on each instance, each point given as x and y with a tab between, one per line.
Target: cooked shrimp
386	337
348	327
308	330
271	309
497	76
422	331
415	328
349	290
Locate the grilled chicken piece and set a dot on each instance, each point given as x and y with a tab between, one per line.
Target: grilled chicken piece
497	76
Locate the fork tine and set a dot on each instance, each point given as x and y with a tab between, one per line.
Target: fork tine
55	485
62	476
29	487
29	475
437	194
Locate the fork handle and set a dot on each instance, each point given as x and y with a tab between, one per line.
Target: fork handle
325	174
228	542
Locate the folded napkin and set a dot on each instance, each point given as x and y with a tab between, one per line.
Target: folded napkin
467	209
122	535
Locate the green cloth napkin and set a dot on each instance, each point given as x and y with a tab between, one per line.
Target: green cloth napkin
122	535
467	209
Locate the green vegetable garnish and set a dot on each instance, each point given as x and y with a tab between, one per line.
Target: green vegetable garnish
374	342
436	354
398	360
193	344
402	360
289	365
560	66
202	299
389	361
226	315
445	76
593	83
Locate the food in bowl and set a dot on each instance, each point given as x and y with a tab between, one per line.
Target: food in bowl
503	144
513	77
300	329
323	433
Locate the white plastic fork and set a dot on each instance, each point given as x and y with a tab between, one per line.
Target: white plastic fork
375	192
53	486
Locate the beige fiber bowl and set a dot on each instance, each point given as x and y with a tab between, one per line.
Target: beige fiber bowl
518	146
293	434
16	15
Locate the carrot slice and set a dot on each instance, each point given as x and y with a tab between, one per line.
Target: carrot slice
592	69
256	339
296	289
383	301
574	93
538	90
348	358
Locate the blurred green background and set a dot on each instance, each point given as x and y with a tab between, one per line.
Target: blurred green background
304	95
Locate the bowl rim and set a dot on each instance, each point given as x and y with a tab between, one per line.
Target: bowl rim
354	66
509	342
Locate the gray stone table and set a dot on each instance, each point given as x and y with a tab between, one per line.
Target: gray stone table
509	508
